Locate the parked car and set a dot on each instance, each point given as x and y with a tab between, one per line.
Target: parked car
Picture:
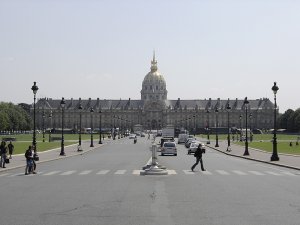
132	136
194	145
169	148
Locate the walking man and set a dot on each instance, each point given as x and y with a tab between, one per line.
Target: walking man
3	151
10	149
198	155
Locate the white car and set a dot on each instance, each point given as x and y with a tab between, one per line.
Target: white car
169	148
132	136
194	145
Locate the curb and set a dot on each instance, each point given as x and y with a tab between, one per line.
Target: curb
253	159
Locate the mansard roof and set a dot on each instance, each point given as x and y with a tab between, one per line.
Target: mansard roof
119	104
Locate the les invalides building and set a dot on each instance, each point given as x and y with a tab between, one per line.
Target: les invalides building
154	110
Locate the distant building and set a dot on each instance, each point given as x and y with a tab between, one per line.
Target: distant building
154	110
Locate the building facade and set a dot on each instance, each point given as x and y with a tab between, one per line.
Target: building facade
154	110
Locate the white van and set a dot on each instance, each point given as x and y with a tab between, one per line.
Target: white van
182	138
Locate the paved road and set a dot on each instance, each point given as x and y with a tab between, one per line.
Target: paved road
104	187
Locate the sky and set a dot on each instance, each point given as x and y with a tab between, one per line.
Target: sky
103	48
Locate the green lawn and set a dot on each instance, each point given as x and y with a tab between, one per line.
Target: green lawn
24	140
21	146
282	146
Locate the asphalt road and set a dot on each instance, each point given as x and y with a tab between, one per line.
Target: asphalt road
104	187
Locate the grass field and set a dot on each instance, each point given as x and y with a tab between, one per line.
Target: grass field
24	140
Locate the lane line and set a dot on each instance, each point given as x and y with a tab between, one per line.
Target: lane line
136	172
102	172
120	172
256	173
51	173
85	172
239	172
222	172
172	172
188	172
68	172
273	173
206	172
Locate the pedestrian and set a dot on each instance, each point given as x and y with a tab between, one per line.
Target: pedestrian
198	155
3	151
29	161
10	149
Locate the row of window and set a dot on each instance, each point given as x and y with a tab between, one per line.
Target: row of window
151	87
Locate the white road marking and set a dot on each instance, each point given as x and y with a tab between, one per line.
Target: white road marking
51	173
273	173
256	173
171	172
68	172
288	173
120	172
239	172
206	172
102	172
136	172
188	172
222	172
85	172
16	174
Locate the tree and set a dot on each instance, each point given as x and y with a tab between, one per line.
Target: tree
13	117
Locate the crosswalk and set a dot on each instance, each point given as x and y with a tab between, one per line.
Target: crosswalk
121	172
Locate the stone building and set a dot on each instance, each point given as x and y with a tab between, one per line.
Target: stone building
154	110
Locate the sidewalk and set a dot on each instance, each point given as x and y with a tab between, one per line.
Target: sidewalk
19	161
285	160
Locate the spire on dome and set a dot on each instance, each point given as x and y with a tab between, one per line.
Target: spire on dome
153	63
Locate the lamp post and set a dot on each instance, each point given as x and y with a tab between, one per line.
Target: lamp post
246	103
114	128
217	138
100	129
194	125
43	116
119	127
274	156
208	141
250	127
92	111
34	89
241	127
80	128
228	108
50	125
62	149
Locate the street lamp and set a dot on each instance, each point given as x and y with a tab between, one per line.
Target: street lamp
228	108
241	127
34	89
92	110
246	103
194	125
217	138
274	156
80	128
62	104
50	125
100	129
114	129
208	141
250	127
43	116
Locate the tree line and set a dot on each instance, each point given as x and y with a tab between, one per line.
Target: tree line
14	117
290	120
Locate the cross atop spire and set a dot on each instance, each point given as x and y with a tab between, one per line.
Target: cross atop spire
153	63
